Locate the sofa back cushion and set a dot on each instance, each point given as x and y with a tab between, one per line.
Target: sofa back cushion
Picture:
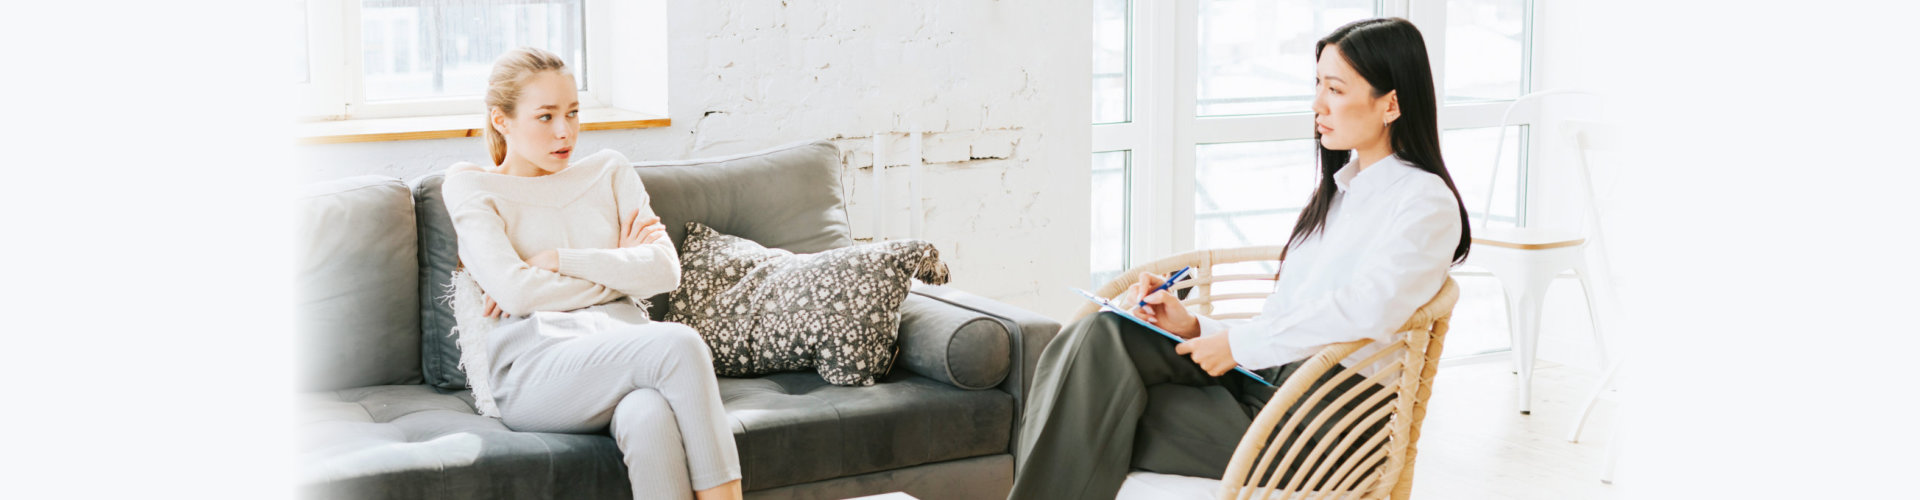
356	315
788	197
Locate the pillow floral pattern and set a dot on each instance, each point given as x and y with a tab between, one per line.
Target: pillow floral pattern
767	310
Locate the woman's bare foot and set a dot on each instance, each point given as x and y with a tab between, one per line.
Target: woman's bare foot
729	491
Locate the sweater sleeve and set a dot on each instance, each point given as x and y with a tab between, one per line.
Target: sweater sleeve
1395	278
638	271
518	288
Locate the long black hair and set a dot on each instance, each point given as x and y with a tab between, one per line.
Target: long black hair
1392	56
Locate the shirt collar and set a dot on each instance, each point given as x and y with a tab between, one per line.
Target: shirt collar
1360	182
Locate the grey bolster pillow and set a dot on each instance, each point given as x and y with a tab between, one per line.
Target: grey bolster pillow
963	348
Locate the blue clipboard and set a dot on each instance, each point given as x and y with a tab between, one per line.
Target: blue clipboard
1106	306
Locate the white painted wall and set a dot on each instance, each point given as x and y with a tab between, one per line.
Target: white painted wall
1001	88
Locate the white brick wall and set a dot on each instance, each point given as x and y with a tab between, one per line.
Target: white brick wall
999	88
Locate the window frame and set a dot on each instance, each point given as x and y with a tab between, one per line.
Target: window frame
1163	132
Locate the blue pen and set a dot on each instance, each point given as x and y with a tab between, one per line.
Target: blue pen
1163	286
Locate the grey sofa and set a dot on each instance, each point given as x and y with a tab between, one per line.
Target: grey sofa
384	412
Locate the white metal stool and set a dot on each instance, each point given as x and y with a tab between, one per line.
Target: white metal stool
1527	259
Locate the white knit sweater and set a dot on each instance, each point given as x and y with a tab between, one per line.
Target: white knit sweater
502	220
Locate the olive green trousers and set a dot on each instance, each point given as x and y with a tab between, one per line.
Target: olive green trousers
1110	396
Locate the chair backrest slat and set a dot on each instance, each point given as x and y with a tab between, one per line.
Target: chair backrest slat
1206	265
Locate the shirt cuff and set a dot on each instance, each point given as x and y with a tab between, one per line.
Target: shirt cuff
1247	349
1210	326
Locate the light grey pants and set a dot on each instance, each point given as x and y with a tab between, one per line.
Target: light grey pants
652	384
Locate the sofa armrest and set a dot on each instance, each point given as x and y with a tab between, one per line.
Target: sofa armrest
1028	333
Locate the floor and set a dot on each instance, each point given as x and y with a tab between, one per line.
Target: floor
1476	445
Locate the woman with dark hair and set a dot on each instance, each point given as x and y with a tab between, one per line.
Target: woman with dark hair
1373	243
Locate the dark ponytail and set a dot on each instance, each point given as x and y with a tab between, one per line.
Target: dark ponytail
1391	55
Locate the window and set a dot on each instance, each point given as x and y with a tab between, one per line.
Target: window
1256	56
1486	50
1249	193
1109	217
1218	128
397	58
1469	155
1110	59
415	49
1112	28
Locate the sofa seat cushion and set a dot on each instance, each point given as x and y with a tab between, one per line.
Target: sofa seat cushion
794	427
415	441
412	441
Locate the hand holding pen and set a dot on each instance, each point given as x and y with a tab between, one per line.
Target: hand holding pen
1164	284
1161	307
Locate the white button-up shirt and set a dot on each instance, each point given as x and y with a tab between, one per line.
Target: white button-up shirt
1385	251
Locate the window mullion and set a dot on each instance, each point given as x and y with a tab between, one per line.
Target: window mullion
1154	78
1392	8
1431	17
1253	128
1486	114
1118	136
1179	180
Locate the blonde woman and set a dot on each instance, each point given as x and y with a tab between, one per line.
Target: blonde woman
562	253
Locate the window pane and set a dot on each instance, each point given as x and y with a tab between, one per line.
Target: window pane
1256	56
1109	216
1111	32
436	48
1469	155
1485	39
1249	193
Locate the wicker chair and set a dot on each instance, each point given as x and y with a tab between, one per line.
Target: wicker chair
1406	369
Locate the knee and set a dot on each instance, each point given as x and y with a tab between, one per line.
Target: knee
1094	329
681	346
681	339
641	403
642	411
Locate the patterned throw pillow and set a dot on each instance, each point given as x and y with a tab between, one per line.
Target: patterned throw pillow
769	310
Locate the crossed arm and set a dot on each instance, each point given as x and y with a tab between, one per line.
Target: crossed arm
633	233
642	262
